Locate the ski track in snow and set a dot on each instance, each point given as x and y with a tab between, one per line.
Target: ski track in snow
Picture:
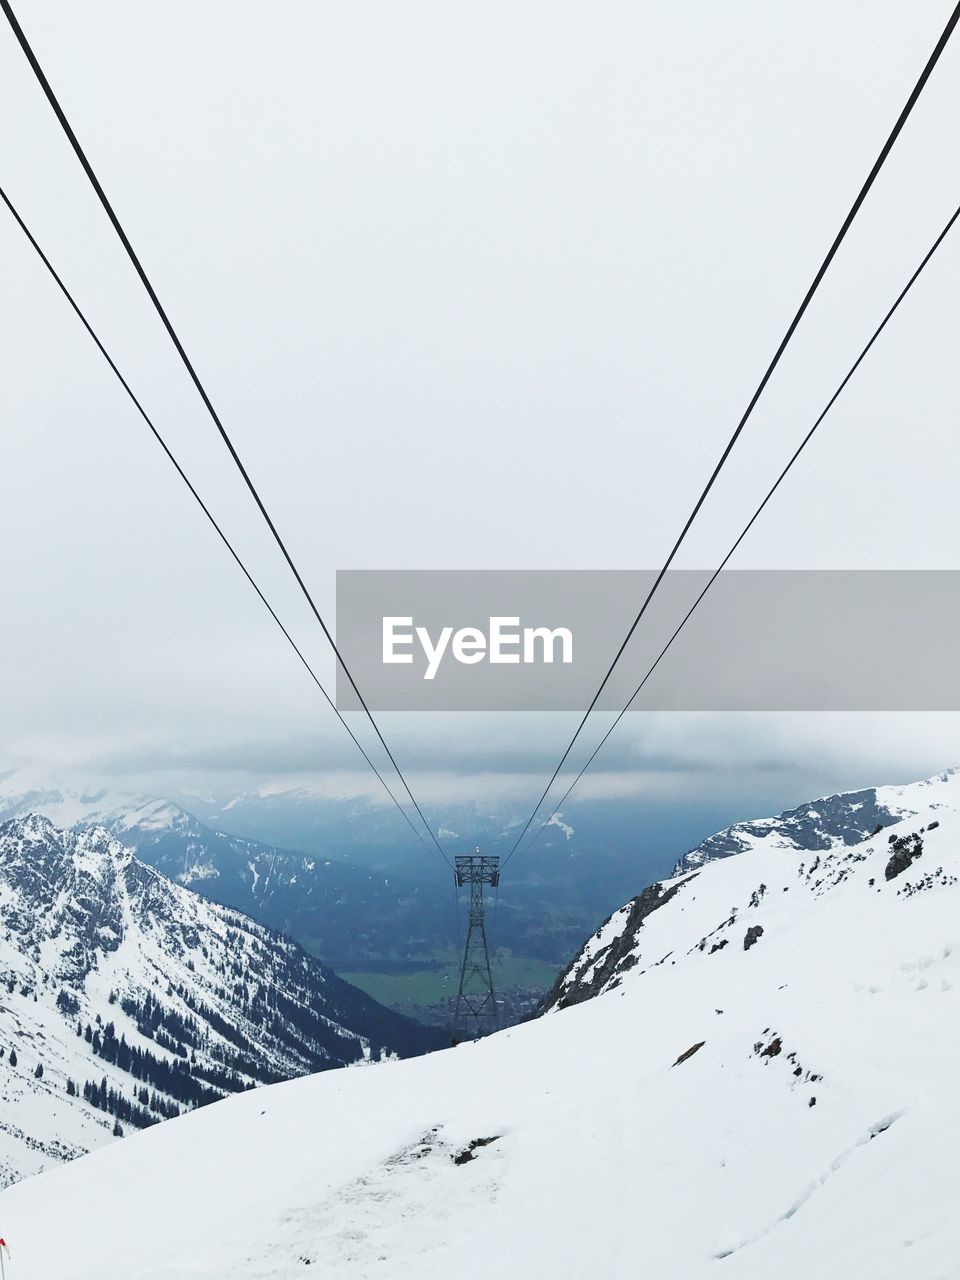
873	1132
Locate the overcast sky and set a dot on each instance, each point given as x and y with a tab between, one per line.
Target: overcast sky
472	287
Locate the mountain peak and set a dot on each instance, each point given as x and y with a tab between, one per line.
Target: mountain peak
34	845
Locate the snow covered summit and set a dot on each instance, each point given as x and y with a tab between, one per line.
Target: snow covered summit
764	1084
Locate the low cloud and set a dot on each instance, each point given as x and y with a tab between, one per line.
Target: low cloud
454	760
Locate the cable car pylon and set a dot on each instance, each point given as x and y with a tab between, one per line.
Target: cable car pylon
476	1009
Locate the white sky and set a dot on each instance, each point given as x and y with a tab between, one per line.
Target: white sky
471	287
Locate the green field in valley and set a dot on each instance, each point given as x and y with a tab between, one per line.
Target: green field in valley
430	986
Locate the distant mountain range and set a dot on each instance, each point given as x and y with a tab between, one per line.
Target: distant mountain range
126	998
395	910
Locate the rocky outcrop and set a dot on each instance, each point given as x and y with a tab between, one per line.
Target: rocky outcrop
597	968
906	850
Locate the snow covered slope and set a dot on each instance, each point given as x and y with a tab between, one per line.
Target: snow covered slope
125	998
767	1090
846	818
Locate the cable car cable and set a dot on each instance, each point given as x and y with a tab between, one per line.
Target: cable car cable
203	506
188	365
808	296
748	526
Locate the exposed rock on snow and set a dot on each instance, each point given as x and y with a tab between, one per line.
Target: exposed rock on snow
469	1152
688	1053
906	850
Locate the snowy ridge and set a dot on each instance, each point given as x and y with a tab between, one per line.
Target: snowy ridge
112	976
843	819
768	1089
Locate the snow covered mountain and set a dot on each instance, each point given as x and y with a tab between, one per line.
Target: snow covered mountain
823	824
832	826
125	998
764	1085
349	914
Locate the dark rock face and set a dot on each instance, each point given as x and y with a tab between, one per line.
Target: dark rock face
906	850
849	817
753	935
573	987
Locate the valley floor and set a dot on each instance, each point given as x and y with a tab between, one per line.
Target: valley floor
429	995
